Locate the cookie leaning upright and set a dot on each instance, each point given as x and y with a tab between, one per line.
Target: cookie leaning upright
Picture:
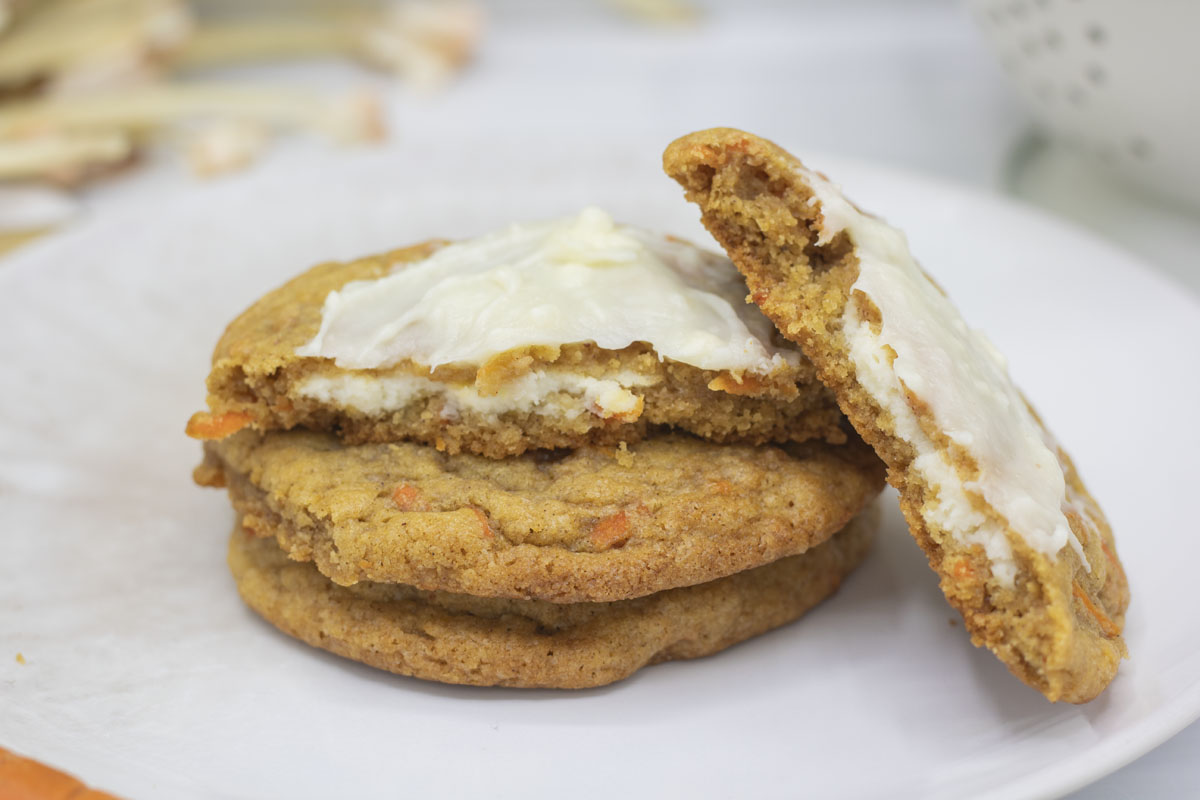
1022	549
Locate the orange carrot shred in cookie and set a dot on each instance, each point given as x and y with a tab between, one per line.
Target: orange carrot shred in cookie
962	569
721	487
204	425
729	383
488	533
1112	557
406	497
1107	625
611	531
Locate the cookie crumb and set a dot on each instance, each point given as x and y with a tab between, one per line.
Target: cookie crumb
20	659
953	622
623	456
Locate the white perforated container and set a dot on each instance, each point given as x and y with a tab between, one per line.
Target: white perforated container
1119	78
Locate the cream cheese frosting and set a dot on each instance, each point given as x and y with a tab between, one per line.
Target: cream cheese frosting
581	279
925	348
541	392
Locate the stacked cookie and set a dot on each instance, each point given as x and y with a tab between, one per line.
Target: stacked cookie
546	457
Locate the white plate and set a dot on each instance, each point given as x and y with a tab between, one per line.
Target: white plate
146	676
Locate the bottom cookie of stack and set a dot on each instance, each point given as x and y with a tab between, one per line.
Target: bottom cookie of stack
484	641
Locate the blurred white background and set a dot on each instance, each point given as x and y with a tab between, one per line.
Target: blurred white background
910	83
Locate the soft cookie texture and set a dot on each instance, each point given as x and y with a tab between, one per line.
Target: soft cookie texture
1054	619
457	638
258	380
590	524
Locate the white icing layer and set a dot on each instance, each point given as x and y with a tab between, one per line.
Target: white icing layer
959	376
583	279
560	394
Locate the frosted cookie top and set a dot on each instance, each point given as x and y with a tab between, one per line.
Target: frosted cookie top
560	334
580	279
921	355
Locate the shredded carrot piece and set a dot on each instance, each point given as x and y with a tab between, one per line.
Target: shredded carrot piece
488	533
962	569
1107	625
730	383
204	425
611	531
1109	553
406	497
439	444
721	487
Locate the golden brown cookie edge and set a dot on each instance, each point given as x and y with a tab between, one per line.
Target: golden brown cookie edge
419	640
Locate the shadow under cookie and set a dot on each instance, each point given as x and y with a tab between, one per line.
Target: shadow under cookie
456	638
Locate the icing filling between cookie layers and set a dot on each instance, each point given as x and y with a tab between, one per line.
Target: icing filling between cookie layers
542	392
963	381
581	279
